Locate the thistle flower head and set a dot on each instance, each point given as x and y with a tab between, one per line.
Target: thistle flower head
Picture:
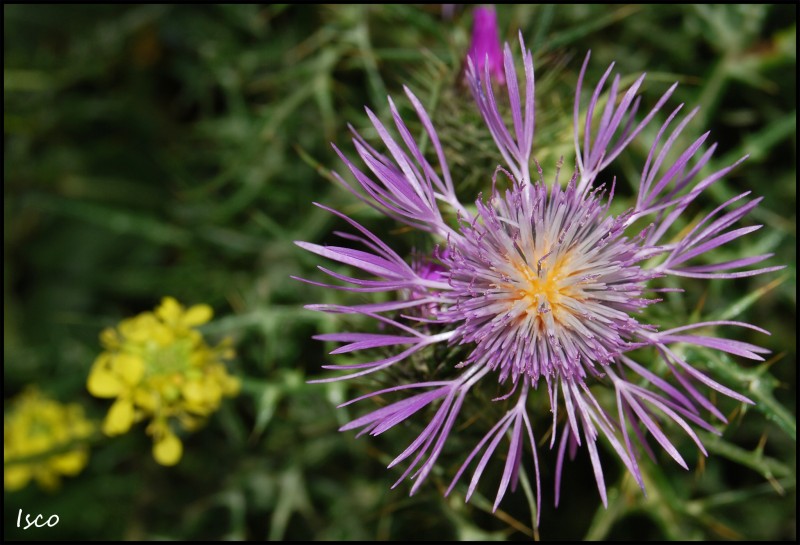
541	286
43	440
158	367
544	283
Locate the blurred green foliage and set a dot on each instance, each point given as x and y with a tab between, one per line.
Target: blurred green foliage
175	150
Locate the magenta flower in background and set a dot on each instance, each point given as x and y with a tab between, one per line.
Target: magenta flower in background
485	49
540	284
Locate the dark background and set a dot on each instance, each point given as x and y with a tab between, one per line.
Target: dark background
175	150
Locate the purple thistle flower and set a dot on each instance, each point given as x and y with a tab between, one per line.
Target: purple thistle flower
542	285
484	48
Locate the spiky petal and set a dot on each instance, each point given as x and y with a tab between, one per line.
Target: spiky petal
485	50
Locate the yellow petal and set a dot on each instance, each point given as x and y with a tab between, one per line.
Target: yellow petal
162	334
109	338
16	476
70	463
168	450
193	392
138	329
102	382
197	315
170	310
129	367
145	399
119	418
46	478
213	394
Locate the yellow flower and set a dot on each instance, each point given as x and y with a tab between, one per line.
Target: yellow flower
43	440
158	367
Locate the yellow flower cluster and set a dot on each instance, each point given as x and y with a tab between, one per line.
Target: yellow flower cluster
43	440
158	367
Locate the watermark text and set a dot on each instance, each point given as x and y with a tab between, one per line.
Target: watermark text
37	522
